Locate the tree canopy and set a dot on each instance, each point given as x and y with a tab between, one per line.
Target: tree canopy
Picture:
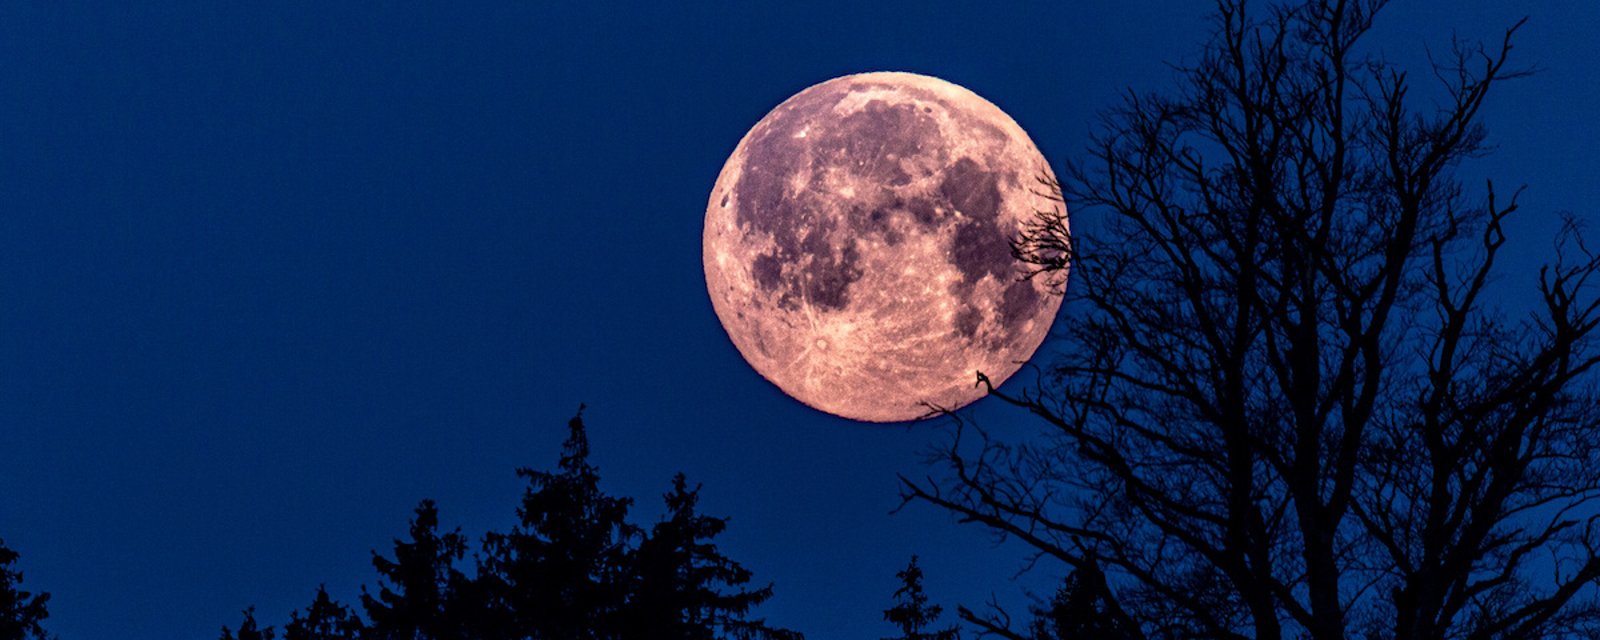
22	613
573	567
1287	406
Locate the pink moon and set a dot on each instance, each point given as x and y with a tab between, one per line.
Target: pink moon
857	246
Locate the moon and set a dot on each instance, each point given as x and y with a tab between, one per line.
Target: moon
857	246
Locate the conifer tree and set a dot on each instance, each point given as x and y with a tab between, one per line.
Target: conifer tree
911	612
561	572
325	619
248	629
421	593
21	612
573	568
1083	609
684	588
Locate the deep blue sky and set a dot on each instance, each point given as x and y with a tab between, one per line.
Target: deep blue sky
269	276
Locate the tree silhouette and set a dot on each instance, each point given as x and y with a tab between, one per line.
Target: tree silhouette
679	579
573	568
911	612
421	593
561	572
248	629
1287	409
1082	609
325	619
21	613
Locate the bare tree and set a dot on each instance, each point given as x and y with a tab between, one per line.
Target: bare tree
1286	409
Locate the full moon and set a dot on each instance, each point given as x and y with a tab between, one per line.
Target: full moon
857	246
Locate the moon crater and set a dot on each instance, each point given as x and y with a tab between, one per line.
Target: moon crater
857	246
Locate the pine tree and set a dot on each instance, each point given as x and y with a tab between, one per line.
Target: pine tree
21	612
248	629
424	594
911	612
560	573
1083	610
572	568
680	577
325	619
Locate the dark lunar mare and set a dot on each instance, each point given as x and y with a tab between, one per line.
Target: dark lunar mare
772	158
870	144
982	247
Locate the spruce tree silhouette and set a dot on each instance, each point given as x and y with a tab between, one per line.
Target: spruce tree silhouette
561	573
21	613
421	593
911	611
679	576
248	629
1082	609
572	568
325	619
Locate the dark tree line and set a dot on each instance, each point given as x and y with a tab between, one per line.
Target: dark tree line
1289	407
572	568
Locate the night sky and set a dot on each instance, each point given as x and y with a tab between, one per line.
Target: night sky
270	276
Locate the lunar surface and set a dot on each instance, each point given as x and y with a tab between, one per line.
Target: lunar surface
857	246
